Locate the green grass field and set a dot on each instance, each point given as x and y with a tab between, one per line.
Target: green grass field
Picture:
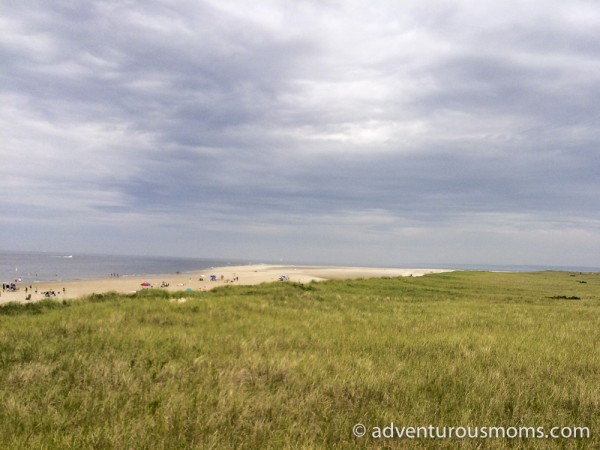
297	366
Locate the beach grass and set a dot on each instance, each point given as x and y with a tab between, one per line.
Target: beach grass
289	365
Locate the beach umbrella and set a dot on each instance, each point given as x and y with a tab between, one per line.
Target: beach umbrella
145	283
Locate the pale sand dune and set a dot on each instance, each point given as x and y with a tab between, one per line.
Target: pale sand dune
247	275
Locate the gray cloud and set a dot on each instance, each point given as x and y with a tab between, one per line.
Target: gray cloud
326	131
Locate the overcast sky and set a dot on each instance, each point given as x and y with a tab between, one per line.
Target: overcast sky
380	133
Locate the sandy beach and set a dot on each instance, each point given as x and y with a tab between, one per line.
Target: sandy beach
201	280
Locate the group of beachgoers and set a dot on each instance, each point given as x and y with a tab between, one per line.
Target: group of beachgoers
221	277
52	293
29	290
10	287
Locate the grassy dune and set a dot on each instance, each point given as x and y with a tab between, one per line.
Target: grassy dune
296	366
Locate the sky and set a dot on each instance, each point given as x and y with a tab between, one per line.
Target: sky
350	132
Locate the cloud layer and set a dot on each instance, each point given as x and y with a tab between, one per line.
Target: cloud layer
387	134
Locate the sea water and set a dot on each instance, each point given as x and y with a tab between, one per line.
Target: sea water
513	267
30	267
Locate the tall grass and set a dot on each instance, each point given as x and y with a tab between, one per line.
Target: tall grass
288	365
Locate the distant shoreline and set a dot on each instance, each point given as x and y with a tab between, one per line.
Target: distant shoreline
62	267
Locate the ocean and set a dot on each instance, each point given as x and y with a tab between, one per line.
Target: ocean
511	267
30	267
